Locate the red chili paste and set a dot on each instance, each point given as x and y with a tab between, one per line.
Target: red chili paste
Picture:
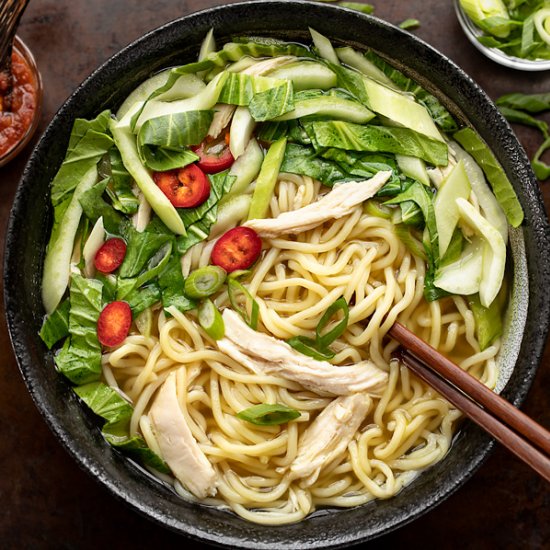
15	122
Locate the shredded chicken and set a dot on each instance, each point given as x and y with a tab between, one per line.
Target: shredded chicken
338	202
328	436
262	353
178	447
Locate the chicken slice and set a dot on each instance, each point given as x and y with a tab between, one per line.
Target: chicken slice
267	355
178	447
338	202
328	436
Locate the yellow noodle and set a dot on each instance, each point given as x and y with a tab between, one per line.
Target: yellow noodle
297	278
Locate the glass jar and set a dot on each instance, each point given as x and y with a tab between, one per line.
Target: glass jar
15	131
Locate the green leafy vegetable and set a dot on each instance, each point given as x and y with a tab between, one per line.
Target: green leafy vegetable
303	160
532	103
171	284
118	436
488	321
419	194
269	415
177	130
88	143
139	299
120	183
105	402
438	112
161	159
94	207
502	188
273	102
141	246
80	358
519	117
56	325
328	104
156	264
355	137
541	169
517	28
407	237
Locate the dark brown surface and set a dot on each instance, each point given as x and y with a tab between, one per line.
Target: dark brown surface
47	501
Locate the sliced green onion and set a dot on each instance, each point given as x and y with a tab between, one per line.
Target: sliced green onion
204	281
235	288
144	322
318	348
210	320
324	340
308	346
269	415
240	274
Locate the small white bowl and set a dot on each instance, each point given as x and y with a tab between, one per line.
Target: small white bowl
472	33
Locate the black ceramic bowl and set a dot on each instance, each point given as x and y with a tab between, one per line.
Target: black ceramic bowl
31	219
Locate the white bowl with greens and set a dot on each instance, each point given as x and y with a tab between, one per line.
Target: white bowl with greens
514	33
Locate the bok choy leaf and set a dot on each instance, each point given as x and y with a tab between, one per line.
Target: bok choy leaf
80	358
88	143
176	130
272	103
120	183
502	188
141	246
108	403
438	112
105	402
56	325
355	137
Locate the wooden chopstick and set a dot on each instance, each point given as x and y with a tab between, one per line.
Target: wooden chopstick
469	393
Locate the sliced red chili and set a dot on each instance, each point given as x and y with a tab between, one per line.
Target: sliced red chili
110	255
185	187
238	248
214	155
114	323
